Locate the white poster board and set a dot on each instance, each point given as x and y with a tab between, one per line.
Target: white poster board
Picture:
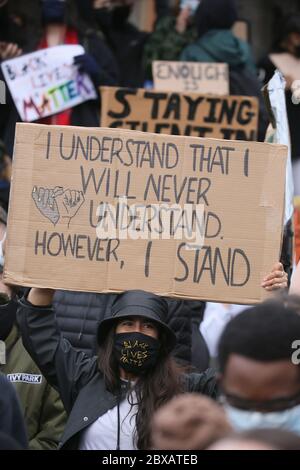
197	77
47	82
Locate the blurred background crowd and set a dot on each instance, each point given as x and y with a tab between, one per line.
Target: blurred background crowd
121	39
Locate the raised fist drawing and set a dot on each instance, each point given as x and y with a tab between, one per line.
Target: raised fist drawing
56	203
45	201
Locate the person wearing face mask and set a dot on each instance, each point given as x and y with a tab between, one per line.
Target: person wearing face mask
287	41
259	368
110	398
216	42
61	25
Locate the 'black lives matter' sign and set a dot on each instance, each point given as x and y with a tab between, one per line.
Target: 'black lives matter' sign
188	114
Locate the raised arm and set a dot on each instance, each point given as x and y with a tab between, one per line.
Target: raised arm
65	368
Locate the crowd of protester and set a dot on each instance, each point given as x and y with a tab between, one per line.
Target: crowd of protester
208	376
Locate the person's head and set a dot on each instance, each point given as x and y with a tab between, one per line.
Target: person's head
136	337
215	14
288	35
135	343
112	12
260	383
259	439
188	422
65	12
54	11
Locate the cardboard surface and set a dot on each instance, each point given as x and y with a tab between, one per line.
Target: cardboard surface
190	114
46	82
62	174
194	77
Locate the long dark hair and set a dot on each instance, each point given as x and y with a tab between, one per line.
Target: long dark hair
154	388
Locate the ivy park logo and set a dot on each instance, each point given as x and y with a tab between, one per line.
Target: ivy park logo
2	92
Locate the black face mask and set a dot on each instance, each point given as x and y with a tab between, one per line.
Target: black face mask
7	318
103	17
136	352
53	11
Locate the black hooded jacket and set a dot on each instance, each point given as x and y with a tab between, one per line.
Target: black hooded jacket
75	375
79	313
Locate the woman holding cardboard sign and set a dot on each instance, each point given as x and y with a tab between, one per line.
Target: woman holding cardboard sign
111	398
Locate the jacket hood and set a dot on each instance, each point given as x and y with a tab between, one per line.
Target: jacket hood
215	14
223	46
142	304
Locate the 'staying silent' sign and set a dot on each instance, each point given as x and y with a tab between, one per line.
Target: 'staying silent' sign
189	114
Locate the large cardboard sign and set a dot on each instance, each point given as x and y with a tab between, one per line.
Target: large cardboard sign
189	114
106	210
196	77
47	82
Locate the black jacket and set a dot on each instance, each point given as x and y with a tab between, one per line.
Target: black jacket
75	375
78	315
11	419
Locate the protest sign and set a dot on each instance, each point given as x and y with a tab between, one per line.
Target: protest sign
47	82
106	210
280	134
197	77
189	114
